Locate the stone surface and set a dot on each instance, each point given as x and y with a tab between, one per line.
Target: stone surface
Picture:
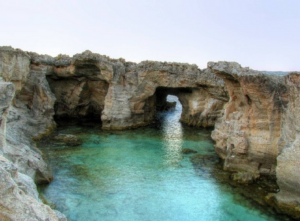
132	97
14	66
259	132
18	199
27	115
248	134
203	106
288	164
7	92
31	116
125	94
80	83
255	116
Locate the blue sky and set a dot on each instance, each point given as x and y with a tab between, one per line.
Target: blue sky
261	34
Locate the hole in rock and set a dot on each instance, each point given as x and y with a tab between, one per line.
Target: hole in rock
248	99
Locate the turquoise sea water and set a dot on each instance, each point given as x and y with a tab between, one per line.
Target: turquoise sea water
141	175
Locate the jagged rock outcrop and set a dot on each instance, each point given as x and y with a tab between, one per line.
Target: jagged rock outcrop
203	106
19	197
30	117
31	114
26	111
259	132
288	164
7	92
255	116
132	97
14	66
247	136
125	94
80	83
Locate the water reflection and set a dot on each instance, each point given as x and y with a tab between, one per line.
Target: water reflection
140	175
172	133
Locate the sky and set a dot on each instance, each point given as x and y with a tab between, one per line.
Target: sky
260	34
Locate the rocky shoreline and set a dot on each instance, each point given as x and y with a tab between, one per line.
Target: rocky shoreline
254	115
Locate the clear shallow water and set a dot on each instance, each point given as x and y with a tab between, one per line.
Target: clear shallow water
141	175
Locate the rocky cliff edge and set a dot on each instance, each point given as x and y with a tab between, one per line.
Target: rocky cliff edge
255	116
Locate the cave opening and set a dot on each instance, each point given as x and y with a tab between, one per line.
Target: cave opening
168	115
78	100
171	105
162	95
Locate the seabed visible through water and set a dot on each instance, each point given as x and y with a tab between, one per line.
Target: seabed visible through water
141	175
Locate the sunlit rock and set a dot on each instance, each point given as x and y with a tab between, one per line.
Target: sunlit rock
255	115
248	134
288	164
14	66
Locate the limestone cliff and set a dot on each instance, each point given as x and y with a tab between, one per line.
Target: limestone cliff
126	94
255	116
259	132
80	83
133	96
247	136
26	106
288	164
14	66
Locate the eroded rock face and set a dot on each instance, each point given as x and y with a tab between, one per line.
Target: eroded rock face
259	132
79	97
133	96
7	93
247	136
80	84
288	164
26	115
31	116
14	66
203	106
19	197
126	94
255	116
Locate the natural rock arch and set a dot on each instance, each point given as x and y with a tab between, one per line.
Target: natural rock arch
257	134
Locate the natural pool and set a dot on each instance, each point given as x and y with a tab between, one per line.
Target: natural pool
141	175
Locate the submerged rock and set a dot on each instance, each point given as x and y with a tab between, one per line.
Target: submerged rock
285	206
68	139
244	177
188	151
